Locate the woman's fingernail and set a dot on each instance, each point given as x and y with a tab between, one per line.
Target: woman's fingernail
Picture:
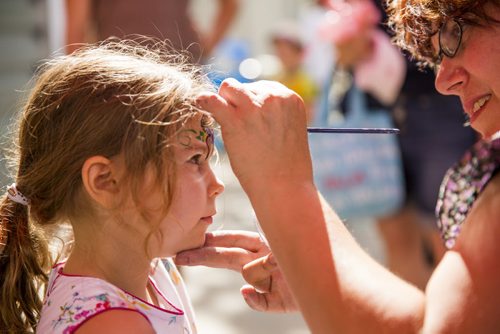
248	297
271	260
204	98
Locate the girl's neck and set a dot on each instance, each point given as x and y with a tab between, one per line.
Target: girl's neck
117	264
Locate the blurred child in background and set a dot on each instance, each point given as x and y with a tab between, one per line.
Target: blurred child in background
289	47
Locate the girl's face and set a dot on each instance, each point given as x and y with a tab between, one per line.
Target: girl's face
472	74
193	203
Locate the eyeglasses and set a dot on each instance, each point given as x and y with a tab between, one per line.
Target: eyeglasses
450	38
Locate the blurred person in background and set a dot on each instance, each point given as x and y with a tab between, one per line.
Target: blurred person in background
318	51
95	20
363	51
432	134
289	47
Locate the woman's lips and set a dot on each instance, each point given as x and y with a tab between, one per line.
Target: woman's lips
475	106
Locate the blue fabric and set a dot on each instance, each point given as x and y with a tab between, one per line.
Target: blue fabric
360	175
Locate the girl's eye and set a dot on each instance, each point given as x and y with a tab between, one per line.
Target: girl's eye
196	159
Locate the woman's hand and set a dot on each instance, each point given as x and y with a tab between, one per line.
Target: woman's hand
267	290
264	130
245	252
225	249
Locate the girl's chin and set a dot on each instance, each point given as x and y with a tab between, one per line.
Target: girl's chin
189	247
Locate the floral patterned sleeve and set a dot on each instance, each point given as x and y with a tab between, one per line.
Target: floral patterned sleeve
462	185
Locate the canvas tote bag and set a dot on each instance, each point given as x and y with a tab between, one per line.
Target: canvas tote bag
360	175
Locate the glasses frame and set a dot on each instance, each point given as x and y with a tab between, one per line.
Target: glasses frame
442	51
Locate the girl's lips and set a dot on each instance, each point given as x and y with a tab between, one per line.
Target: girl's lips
207	220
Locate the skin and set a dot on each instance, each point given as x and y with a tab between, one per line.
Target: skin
115	234
225	16
353	294
472	74
79	15
185	229
300	249
244	252
116	322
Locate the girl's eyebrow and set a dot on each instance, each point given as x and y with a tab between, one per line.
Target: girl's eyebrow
199	140
189	137
197	146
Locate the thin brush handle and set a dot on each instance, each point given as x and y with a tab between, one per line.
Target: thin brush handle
353	130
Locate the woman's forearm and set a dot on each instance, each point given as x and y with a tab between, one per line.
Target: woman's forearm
338	286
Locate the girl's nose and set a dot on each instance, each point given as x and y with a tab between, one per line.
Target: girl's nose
216	186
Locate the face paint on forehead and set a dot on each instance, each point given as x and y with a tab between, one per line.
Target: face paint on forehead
209	136
206	136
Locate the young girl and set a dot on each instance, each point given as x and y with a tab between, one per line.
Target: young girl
112	142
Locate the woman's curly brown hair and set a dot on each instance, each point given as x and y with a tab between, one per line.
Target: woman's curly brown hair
414	22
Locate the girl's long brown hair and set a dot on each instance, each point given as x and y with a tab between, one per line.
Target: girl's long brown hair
115	97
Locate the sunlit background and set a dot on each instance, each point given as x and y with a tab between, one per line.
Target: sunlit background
32	30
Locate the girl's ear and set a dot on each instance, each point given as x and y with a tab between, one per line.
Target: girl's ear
100	177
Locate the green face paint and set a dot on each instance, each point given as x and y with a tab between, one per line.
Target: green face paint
209	136
201	136
205	136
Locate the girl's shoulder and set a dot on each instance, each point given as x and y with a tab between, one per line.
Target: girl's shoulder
72	300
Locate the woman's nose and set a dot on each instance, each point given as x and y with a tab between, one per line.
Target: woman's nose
450	77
